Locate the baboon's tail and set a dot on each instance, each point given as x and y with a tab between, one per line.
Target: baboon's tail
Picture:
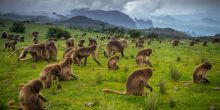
16	51
12	104
112	91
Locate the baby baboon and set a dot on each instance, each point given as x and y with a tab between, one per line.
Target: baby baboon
81	43
115	46
175	43
135	83
84	52
113	63
10	44
4	35
70	43
47	74
39	51
141	57
29	97
92	42
200	73
66	69
204	43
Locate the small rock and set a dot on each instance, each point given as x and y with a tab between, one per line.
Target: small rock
90	104
216	88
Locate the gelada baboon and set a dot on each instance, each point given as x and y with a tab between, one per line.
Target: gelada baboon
66	69
135	83
39	51
29	97
139	43
35	40
200	72
69	43
10	44
141	57
47	74
84	52
81	43
175	43
92	42
70	52
204	43
4	35
35	34
115	46
113	63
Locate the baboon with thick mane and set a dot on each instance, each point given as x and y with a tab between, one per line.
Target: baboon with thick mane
92	42
39	51
141	57
10	44
135	83
115	46
200	72
69	43
113	63
29	97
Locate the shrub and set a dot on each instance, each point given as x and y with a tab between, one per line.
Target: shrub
174	74
58	33
134	33
17	27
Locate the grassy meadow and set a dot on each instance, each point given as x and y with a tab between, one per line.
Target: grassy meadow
166	95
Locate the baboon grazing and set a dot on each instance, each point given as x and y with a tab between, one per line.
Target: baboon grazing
175	43
113	63
204	43
135	83
29	97
4	35
92	42
200	72
115	46
39	51
141	57
81	43
69	43
10	44
84	52
47	74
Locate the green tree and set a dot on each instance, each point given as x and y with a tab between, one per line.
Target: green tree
17	27
58	33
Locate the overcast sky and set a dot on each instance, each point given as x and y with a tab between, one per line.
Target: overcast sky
200	16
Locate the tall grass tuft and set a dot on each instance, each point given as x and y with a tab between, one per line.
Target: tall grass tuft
162	86
98	78
151	101
174	73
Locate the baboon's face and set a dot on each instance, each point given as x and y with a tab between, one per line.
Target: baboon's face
207	65
36	86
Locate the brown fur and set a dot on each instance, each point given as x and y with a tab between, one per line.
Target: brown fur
35	40
84	52
29	97
204	43
115	46
141	57
81	43
175	43
92	42
39	51
69	43
135	83
200	72
52	39
113	63
10	44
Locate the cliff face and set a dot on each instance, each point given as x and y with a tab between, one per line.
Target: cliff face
115	17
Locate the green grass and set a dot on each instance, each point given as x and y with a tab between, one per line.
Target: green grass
92	78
